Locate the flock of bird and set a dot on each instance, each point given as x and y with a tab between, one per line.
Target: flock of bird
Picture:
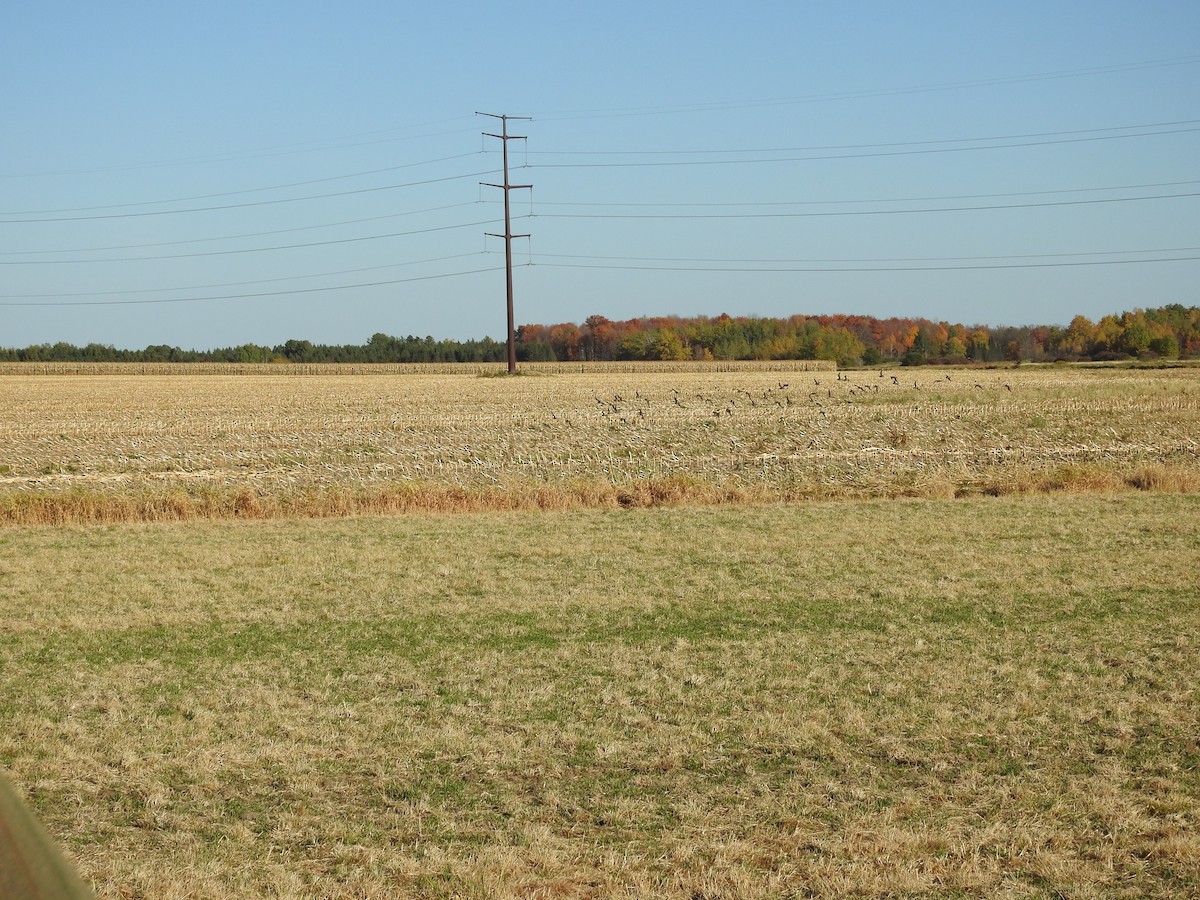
620	409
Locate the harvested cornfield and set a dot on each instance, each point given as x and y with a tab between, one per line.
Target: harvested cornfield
205	443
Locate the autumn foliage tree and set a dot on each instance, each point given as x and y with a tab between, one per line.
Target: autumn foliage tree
1166	332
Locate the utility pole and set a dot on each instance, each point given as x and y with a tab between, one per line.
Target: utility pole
508	236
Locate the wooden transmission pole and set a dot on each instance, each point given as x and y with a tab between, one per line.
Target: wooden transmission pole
508	236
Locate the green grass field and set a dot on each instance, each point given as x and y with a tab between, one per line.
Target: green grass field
975	697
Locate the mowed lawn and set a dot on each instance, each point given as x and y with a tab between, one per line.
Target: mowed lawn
977	697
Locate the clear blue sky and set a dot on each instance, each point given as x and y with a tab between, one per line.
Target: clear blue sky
211	174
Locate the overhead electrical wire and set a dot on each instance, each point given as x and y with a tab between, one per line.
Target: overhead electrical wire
280	150
322	144
171	212
709	204
873	259
1033	265
864	212
52	215
370	237
873	154
690	205
225	284
315	290
42	216
869	146
137	209
693	216
231	237
743	265
257	190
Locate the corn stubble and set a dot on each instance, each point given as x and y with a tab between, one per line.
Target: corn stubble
978	697
126	447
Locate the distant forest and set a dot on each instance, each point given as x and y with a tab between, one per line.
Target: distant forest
1168	332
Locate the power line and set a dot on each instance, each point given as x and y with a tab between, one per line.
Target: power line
1090	131
336	287
171	212
205	287
990	137
921	152
50	215
865	212
905	259
231	237
664	264
370	237
1116	187
743	269
274	187
234	156
1034	265
773	203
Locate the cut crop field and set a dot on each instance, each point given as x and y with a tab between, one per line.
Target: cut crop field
112	447
976	697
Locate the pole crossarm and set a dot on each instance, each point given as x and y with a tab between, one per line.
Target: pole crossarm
504	137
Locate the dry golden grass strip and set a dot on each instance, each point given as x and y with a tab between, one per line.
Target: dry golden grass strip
178	446
91	507
987	697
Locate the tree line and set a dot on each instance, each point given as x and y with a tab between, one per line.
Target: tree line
1167	332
